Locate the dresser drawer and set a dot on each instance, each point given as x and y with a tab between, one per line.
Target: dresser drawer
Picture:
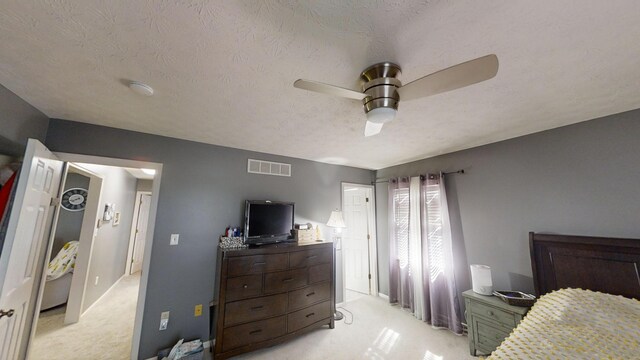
254	309
300	259
490	312
257	264
304	297
318	273
243	287
305	317
284	281
254	332
489	336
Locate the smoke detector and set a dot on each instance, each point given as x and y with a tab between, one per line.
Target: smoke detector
140	88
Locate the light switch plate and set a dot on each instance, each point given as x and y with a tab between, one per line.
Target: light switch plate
174	239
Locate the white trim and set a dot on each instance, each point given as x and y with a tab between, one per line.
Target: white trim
383	296
105	294
146	261
90	218
341	303
373	241
134	226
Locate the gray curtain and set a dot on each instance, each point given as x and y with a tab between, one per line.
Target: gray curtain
435	299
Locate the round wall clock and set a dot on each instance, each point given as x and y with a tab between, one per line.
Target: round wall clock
74	199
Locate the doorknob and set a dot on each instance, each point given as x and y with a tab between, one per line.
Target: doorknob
6	313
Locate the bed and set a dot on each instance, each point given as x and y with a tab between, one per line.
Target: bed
589	306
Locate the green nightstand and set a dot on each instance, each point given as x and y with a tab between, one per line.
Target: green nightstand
489	321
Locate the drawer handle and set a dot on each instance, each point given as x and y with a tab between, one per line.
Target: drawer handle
255	332
310	315
312	256
311	293
259	263
287	280
490	313
255	308
245	286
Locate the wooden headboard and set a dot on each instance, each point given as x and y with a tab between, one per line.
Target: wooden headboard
609	265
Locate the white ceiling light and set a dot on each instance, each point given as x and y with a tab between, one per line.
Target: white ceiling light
140	88
149	171
381	115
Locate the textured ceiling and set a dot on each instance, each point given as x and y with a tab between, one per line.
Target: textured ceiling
223	70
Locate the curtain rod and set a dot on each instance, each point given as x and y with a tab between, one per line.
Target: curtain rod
461	171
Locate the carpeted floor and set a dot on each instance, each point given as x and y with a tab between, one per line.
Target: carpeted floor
104	332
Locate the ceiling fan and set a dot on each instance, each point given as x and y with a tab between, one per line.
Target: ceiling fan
382	90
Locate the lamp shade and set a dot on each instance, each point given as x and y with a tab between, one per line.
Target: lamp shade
336	220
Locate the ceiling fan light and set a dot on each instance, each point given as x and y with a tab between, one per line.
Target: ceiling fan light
381	115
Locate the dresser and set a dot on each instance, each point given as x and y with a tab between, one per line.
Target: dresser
489	321
270	294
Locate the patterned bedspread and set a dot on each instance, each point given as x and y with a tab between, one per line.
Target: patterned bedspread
576	324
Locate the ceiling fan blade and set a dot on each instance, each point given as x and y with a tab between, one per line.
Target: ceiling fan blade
328	89
455	77
372	128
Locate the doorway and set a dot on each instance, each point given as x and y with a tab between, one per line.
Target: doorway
359	250
103	294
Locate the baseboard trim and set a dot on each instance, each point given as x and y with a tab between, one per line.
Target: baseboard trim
103	295
384	296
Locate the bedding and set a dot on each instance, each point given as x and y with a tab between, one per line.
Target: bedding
64	262
576	324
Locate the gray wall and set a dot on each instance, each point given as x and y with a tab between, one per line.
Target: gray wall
203	189
580	179
69	222
18	122
110	246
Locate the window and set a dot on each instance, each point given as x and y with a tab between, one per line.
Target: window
401	216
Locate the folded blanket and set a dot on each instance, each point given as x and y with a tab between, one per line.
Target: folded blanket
64	262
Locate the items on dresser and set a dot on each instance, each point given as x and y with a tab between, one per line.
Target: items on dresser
270	294
305	236
481	279
489	321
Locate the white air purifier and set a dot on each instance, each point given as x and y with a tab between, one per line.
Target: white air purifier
481	279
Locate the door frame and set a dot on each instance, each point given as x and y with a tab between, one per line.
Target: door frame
373	241
134	227
153	209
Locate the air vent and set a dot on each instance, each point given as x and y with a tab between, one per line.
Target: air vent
268	168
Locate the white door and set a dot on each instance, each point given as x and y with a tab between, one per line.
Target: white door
141	232
355	239
27	232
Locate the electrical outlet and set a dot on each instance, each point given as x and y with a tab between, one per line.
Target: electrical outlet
198	310
164	320
174	239
97	278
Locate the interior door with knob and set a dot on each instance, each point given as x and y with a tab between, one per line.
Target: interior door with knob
27	233
356	237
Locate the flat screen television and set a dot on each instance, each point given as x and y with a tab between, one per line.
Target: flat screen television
268	222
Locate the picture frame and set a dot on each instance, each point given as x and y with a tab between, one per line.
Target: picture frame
109	209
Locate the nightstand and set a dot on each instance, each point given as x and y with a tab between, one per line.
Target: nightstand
489	321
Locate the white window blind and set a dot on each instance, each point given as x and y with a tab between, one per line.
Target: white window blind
401	216
434	228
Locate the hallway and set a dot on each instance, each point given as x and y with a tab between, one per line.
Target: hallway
104	332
